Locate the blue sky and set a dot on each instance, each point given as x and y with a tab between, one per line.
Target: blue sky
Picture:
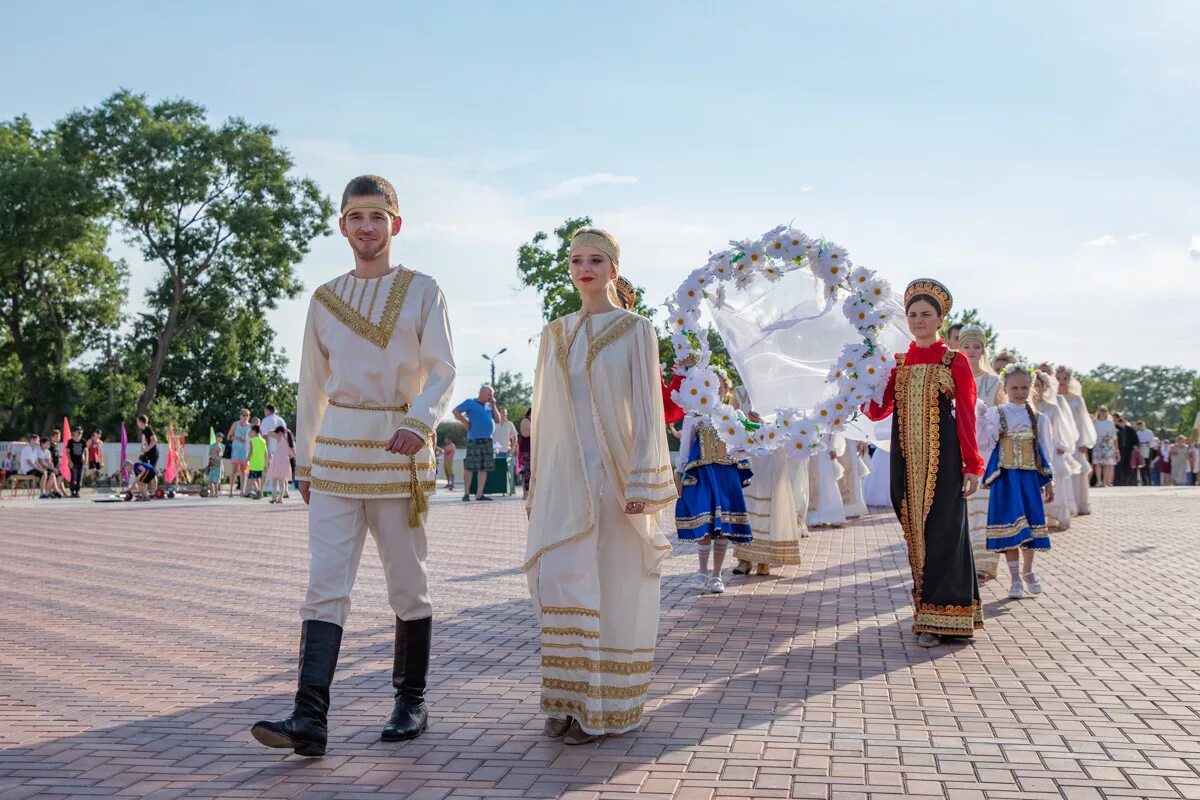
1040	158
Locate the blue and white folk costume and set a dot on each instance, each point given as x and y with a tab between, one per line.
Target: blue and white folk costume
711	502
1016	472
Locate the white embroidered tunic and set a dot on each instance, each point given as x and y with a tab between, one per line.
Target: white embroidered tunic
377	357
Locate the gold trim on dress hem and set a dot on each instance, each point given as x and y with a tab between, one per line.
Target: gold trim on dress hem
582	632
571	610
609	721
596	648
528	565
594	691
602	665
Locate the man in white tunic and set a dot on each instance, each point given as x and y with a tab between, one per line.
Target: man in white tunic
376	375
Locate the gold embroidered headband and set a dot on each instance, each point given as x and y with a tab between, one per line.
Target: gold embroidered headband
600	240
370	201
974	333
928	286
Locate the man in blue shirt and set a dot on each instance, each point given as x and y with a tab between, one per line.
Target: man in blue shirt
480	417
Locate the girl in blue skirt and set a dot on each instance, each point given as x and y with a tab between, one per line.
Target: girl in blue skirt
1020	479
711	508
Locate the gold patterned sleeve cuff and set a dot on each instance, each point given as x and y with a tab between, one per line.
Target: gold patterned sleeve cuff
417	426
303	473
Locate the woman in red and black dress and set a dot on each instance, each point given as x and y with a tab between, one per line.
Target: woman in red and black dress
935	468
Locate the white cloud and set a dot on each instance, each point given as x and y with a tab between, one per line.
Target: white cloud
1133	237
577	185
1104	241
1194	250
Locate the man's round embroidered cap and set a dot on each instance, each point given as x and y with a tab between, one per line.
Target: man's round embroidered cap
928	286
599	239
973	333
370	191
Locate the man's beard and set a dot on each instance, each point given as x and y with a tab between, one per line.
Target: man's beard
369	251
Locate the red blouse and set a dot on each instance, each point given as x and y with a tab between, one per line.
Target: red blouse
673	412
964	399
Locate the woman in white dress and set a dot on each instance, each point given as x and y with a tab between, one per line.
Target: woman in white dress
972	341
1070	391
1106	452
601	473
1058	511
825	506
854	471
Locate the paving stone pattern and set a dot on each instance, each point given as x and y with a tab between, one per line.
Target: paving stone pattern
138	642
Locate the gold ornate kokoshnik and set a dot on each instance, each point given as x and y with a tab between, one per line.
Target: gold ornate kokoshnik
377	333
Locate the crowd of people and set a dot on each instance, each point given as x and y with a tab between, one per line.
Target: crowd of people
983	456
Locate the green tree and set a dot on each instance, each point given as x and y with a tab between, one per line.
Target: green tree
1156	394
548	271
213	206
514	394
225	363
59	291
1098	393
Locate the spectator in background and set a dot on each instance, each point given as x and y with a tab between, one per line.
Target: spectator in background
58	485
504	438
1180	459
95	454
448	451
76	449
952	334
239	451
257	463
1127	445
212	471
30	462
270	423
480	416
46	463
1106	453
525	448
1193	462
1147	443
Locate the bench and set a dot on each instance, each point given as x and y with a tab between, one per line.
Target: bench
30	482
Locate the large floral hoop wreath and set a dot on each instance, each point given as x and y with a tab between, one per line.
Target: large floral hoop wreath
859	374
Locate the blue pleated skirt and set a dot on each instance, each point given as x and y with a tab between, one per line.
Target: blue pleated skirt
1016	513
712	503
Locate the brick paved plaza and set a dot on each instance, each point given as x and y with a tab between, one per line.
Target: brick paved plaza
138	642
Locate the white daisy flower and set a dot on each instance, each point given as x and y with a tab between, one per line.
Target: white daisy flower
717	298
832	265
771	272
743	279
877	289
795	244
860	278
753	257
776	243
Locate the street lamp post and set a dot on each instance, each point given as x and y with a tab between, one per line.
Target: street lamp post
492	360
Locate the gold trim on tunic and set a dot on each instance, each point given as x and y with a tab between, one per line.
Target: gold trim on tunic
399	488
413	422
303	472
611	333
378	334
402	408
357	467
